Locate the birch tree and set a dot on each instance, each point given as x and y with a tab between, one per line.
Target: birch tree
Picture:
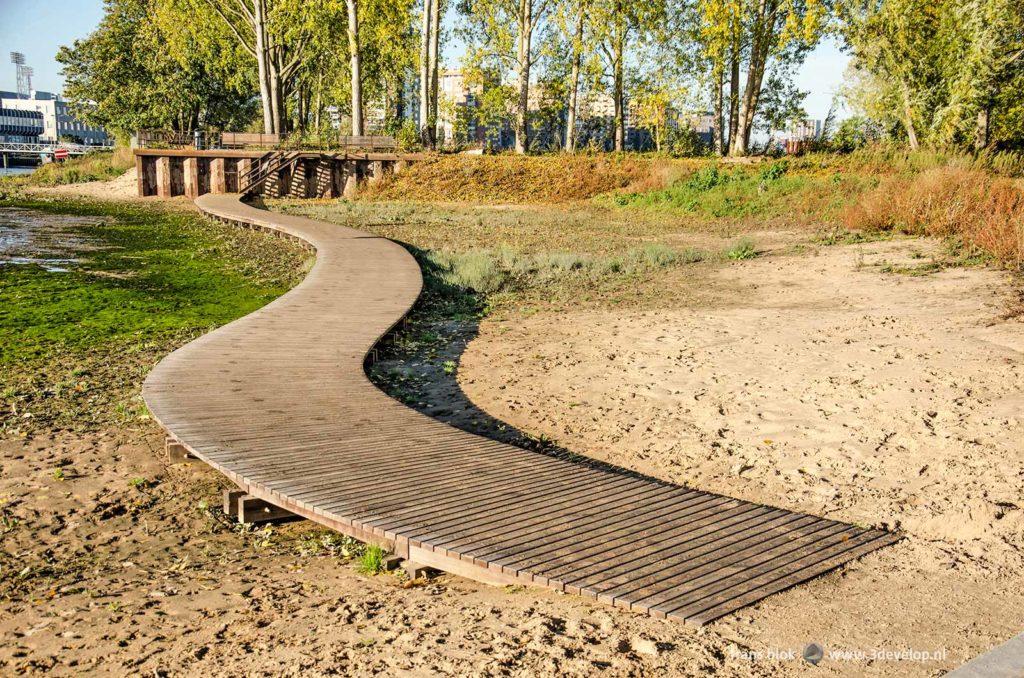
759	33
504	31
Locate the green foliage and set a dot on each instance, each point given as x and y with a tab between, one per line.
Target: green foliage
853	133
684	142
371	560
93	167
942	73
123	75
743	249
717	192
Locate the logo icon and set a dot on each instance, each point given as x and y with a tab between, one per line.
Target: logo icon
814	653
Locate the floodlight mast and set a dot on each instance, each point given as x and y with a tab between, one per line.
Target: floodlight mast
24	75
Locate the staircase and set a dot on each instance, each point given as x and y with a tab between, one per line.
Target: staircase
267	165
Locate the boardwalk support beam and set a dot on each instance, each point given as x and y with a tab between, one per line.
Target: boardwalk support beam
252	510
178	453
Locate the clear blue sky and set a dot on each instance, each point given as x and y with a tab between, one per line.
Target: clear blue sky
39	27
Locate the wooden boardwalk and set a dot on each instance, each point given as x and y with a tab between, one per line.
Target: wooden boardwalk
279	402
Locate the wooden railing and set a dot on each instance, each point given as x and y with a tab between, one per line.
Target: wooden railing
148	138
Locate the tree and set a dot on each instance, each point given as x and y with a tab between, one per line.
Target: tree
275	33
500	36
140	68
719	35
354	56
619	25
764	33
987	41
945	69
896	41
574	28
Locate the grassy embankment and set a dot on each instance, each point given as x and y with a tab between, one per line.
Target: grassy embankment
76	345
99	166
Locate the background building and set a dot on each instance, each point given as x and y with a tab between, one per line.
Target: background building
20	126
58	122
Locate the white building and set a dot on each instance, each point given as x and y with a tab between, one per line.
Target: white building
57	120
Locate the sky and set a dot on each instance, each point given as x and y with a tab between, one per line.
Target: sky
39	27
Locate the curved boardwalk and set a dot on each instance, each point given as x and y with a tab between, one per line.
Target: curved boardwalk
279	402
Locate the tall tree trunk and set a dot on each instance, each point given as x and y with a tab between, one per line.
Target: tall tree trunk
425	41
718	133
318	112
618	93
262	67
740	143
574	83
398	98
908	119
435	58
523	53
277	98
355	67
734	94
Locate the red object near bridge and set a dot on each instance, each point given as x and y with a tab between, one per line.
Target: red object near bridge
61	154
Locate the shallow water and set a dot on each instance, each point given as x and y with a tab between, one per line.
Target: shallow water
56	242
14	171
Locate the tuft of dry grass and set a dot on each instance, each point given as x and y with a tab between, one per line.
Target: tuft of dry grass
980	209
513	178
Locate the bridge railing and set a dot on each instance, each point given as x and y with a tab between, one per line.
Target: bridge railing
49	148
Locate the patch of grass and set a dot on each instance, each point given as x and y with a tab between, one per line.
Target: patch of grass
328	543
76	345
371	560
98	166
915	270
490	272
744	248
718	191
838	235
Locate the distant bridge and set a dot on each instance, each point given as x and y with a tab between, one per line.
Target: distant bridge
14	148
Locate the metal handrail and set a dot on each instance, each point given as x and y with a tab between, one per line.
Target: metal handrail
75	149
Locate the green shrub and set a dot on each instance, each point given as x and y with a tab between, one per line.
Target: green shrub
371	560
743	249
